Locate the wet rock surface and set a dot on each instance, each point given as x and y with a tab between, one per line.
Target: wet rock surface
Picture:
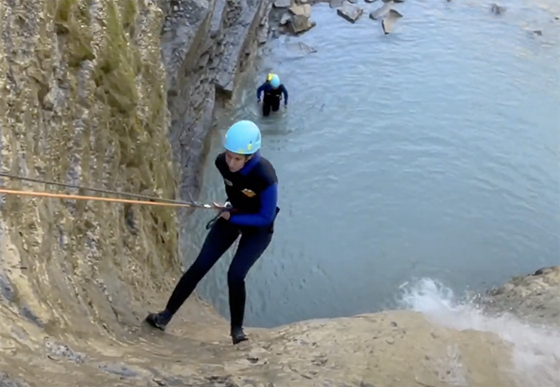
533	297
363	350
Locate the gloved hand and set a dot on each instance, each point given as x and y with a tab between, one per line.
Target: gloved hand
223	212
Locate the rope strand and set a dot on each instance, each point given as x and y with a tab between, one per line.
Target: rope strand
149	200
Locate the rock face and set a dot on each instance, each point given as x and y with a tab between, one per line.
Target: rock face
83	94
204	45
384	349
534	297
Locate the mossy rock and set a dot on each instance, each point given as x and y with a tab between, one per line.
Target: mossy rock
72	20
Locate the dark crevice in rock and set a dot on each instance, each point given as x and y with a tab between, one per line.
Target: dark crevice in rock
204	48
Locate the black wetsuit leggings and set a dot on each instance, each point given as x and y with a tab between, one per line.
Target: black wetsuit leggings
270	102
252	244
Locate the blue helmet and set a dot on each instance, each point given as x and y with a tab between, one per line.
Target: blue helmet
274	81
243	137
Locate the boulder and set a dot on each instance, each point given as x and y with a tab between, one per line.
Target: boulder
300	20
301	10
380	12
301	23
389	20
350	11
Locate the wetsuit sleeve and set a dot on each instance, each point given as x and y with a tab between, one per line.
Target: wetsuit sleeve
260	90
265	217
285	92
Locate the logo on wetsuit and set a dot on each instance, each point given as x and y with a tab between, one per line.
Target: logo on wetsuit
248	192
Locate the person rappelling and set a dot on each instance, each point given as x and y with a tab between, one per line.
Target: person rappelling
252	195
273	91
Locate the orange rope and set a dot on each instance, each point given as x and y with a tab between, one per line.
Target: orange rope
115	200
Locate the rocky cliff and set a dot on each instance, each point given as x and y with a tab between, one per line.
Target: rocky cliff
119	94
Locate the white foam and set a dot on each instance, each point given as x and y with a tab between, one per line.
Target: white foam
536	354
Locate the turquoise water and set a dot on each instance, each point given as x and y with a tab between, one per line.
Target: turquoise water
431	152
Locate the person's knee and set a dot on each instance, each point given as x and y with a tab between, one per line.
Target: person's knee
236	277
200	266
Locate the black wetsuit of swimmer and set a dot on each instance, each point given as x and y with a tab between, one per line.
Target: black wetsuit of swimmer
252	192
272	97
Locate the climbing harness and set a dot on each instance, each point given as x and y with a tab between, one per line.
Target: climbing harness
148	200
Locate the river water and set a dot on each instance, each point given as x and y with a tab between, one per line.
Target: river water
432	152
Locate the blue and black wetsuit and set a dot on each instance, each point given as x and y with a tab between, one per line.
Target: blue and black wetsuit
252	191
272	97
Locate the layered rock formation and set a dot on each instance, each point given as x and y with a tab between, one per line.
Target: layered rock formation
92	95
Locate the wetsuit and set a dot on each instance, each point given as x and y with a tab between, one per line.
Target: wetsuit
252	191
272	97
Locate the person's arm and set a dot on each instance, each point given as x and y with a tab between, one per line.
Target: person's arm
260	90
285	92
269	201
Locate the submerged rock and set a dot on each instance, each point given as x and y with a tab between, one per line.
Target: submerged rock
497	9
336	3
389	20
300	48
350	12
282	3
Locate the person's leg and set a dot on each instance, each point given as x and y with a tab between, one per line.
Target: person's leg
265	107
219	239
276	104
251	246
